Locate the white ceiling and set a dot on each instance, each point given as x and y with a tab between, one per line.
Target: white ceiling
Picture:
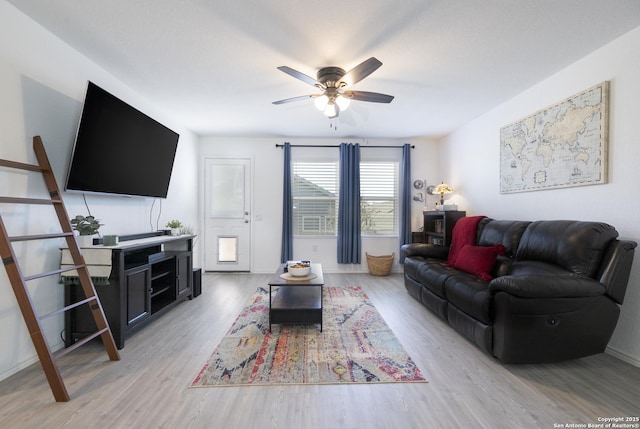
211	64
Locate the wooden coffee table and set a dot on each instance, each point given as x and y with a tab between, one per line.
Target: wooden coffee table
296	300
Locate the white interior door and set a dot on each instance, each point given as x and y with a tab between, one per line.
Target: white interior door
228	214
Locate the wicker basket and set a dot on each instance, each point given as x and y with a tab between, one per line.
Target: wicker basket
380	265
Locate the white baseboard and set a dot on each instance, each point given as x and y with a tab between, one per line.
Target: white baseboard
22	365
623	356
27	363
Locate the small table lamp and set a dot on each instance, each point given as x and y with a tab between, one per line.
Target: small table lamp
442	189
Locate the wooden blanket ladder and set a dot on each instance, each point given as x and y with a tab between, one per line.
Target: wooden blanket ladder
18	280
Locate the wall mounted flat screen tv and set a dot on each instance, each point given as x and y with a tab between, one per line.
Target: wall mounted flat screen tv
120	150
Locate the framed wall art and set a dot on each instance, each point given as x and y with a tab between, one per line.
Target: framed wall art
563	145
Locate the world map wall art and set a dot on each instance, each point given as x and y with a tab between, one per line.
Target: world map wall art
563	145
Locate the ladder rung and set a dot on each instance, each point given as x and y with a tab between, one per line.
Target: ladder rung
68	307
19	200
20	165
79	343
54	272
40	236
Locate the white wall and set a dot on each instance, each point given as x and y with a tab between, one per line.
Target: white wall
471	158
42	85
267	195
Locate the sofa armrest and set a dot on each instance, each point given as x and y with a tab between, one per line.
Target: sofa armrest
616	268
424	250
537	286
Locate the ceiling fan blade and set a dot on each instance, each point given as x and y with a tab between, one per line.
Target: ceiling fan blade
301	76
361	71
292	99
374	97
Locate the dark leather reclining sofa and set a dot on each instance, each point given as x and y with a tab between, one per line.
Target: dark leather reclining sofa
554	293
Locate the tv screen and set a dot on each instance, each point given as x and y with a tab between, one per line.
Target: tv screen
120	150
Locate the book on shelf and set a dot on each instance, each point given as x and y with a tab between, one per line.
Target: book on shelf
436	241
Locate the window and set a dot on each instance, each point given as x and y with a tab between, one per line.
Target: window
315	198
379	198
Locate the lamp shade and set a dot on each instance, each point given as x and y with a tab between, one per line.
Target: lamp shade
442	189
342	102
321	102
330	110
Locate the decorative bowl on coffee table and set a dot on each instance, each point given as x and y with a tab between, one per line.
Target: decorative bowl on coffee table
300	270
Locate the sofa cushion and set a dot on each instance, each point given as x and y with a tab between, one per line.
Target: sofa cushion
470	295
412	265
576	246
478	260
537	268
505	232
479	333
433	274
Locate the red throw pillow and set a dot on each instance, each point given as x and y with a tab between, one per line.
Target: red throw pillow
478	260
464	232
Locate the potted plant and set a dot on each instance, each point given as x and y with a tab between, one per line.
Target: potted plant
87	226
175	226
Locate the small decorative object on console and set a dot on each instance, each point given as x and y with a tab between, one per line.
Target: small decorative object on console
110	240
448	207
88	225
175	226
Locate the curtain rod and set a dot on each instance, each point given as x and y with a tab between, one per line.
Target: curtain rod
337	145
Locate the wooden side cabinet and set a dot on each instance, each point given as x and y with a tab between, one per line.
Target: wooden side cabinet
438	226
417	237
150	274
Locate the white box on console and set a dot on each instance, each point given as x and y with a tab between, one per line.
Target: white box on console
448	207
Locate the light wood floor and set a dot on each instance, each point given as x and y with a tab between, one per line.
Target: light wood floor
148	388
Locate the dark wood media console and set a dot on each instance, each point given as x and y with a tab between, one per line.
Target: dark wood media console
150	274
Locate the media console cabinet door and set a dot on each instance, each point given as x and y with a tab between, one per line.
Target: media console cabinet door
185	275
137	283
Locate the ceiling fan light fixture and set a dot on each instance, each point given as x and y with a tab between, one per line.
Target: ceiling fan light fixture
331	111
343	102
321	102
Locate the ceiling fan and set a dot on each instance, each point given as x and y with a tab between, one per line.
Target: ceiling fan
333	82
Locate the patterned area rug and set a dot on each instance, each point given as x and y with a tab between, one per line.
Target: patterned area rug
356	346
